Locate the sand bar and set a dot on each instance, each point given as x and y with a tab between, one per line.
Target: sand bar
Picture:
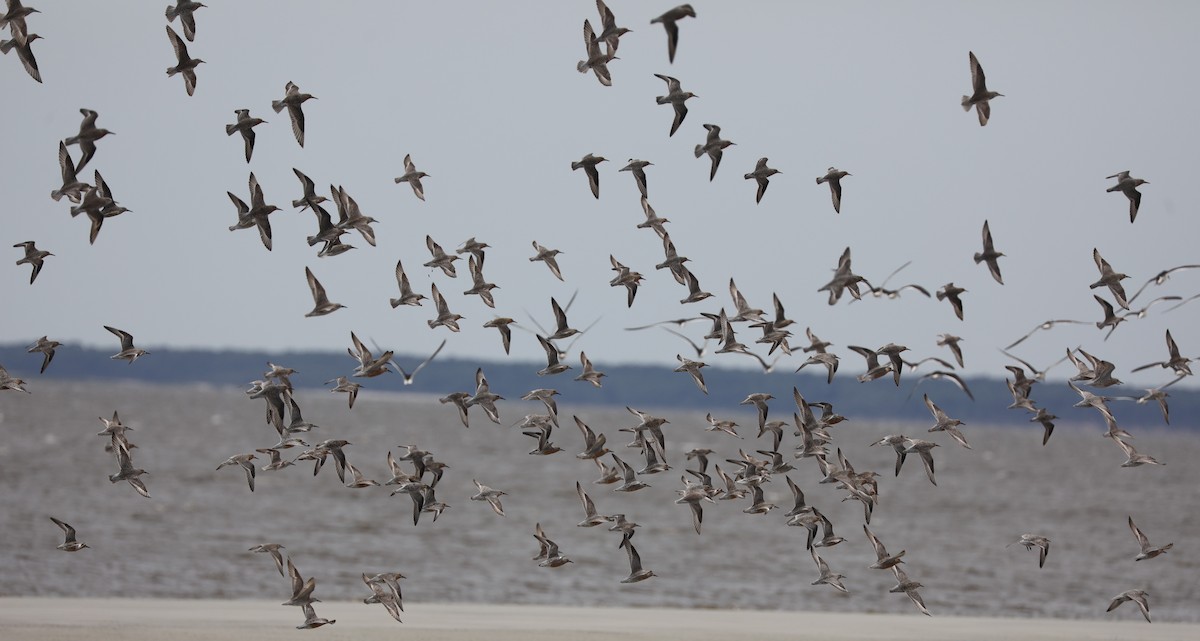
52	619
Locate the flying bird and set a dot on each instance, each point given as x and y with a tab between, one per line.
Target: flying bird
668	20
185	64
445	318
24	47
183	9
46	347
980	97
88	134
292	100
128	351
1137	596
676	97
413	177
490	495
714	146
951	292
834	177
407	295
246	124
70	544
588	163
440	258
1128	186
761	174
321	304
34	257
597	60
547	255
1031	541
1147	551
638	169
989	254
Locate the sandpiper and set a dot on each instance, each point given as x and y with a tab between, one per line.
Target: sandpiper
980	97
246	124
413	177
638	169
407	295
989	255
321	304
128	351
1031	541
636	573
547	255
597	60
1137	596
88	134
1147	551
274	550
761	174
292	100
33	257
183	9
588	163
244	461
1128	186
445	318
714	146
23	45
490	495
668	20
951	292
834	177
676	97
185	64
440	258
70	544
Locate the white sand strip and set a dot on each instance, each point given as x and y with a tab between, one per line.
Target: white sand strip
50	619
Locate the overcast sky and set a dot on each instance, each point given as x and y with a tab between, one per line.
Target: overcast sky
486	98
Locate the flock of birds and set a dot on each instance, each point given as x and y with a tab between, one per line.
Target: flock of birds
812	421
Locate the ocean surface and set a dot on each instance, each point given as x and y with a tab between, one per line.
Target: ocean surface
191	539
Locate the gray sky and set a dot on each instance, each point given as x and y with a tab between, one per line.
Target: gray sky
486	98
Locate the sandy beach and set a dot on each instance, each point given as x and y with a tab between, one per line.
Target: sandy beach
44	619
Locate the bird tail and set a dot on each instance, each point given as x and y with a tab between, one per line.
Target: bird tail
582	66
966	103
172	12
1110	189
978	258
229	129
820	180
7	45
699	150
277	105
576	165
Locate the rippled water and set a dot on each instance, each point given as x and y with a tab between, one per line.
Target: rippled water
190	539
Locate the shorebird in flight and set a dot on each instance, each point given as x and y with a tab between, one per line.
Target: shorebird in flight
668	20
980	97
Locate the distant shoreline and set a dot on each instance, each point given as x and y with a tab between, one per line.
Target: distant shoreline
642	386
36	619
